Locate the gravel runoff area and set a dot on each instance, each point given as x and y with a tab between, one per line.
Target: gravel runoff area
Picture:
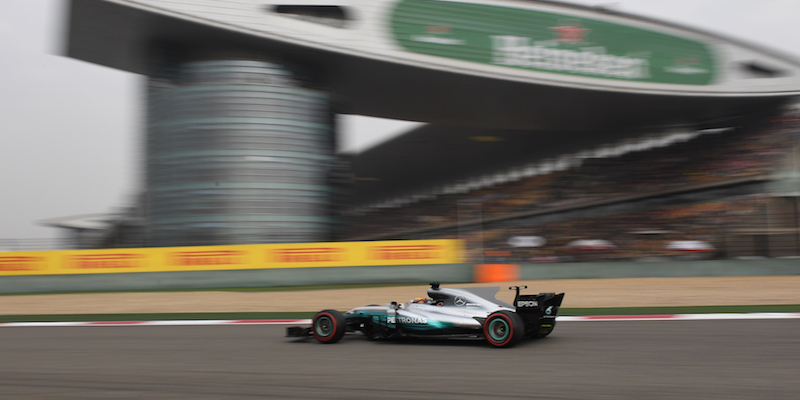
580	293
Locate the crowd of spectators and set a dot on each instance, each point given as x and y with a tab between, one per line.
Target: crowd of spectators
631	236
707	158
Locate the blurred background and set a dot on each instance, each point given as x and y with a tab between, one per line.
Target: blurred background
74	166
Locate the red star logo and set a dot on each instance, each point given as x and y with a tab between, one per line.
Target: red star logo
437	29
570	32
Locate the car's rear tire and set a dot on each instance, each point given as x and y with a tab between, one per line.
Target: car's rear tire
328	326
503	329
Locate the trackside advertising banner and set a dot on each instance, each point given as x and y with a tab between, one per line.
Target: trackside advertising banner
212	258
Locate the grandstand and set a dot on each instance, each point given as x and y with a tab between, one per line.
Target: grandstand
713	185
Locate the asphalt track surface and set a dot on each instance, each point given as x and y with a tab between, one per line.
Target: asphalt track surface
684	359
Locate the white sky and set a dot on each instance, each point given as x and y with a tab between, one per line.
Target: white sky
71	130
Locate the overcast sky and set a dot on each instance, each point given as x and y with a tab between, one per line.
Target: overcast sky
71	130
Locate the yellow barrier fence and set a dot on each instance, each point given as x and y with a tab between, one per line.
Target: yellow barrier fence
208	258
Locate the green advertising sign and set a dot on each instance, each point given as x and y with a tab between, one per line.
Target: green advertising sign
548	42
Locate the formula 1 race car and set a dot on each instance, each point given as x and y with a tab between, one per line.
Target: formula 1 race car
467	313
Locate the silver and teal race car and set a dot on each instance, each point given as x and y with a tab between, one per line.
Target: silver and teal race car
464	313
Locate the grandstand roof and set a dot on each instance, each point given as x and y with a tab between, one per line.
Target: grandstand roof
433	156
370	68
83	222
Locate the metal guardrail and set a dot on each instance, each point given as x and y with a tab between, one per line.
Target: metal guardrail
35	244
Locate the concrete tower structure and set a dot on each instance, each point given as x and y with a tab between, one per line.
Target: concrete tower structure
238	151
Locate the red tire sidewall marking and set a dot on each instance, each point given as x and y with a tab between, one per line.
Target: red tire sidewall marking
510	330
333	331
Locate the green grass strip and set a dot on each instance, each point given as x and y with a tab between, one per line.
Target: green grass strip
240	289
155	317
304	315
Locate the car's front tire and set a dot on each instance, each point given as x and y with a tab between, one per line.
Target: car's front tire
328	326
503	329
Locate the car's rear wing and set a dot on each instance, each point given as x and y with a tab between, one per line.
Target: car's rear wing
538	311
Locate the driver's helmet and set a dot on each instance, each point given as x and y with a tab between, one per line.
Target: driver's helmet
420	300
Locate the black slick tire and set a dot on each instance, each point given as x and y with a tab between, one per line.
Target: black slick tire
503	329
328	326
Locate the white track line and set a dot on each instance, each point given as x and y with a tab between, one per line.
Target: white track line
593	318
684	317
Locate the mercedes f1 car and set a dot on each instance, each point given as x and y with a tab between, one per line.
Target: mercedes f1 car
466	313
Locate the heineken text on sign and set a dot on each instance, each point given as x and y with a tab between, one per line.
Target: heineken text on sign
549	42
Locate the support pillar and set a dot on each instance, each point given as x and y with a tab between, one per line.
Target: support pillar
238	152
